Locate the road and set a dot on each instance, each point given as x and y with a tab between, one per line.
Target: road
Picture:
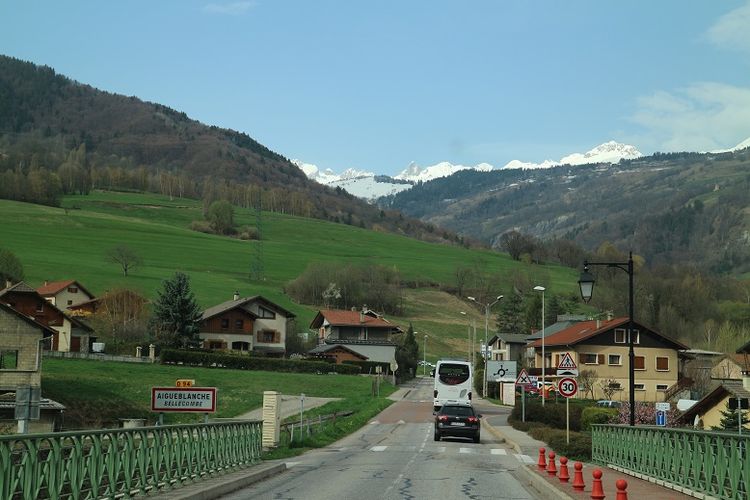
395	457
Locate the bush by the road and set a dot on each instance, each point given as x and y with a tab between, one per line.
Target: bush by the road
551	414
214	360
579	447
597	415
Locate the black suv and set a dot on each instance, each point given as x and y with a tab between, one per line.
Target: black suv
457	420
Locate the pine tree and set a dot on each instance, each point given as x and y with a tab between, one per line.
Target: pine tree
407	353
729	419
511	316
176	313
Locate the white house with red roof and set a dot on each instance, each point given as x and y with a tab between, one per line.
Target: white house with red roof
64	294
364	332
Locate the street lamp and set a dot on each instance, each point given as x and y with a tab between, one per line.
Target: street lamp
486	330
424	357
586	283
540	288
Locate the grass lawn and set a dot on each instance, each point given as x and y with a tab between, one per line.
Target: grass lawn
97	393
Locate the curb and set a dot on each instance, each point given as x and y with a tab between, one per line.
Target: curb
502	437
223	485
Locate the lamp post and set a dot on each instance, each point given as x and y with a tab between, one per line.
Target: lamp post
586	283
424	357
468	335
486	330
540	288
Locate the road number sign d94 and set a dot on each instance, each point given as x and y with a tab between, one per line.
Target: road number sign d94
568	387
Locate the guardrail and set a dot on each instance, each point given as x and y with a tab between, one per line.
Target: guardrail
308	426
716	464
122	462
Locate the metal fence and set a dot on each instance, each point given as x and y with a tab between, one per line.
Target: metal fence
122	462
296	432
716	464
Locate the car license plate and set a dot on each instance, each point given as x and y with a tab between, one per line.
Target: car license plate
458	424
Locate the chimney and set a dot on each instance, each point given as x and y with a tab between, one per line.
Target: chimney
8	283
362	314
609	315
598	324
46	282
236	295
746	380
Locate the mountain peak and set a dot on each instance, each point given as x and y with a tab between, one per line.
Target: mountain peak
608	152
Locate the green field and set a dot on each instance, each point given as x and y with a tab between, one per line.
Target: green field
97	393
71	243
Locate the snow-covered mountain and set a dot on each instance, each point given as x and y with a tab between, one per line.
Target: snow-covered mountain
415	173
609	152
744	144
359	183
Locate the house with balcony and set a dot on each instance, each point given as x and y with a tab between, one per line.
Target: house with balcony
364	333
508	347
602	346
246	324
71	334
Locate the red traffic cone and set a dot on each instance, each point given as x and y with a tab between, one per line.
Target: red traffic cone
564	477
597	492
622	486
578	483
542	463
551	468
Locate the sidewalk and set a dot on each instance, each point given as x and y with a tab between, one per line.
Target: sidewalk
525	444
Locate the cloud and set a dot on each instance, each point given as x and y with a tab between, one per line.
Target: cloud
231	9
732	30
701	117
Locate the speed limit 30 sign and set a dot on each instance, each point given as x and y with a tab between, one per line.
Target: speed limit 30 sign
567	387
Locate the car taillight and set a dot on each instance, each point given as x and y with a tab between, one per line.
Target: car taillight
469	395
443	418
435	394
473	420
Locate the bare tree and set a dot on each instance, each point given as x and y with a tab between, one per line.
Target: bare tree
125	256
609	386
586	381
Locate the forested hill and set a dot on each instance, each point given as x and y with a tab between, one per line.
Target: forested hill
677	208
58	136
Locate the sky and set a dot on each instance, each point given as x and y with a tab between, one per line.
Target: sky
375	85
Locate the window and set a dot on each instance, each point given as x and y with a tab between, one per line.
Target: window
615	386
73	289
614	360
215	344
619	336
661	387
8	360
266	313
268	336
70	302
224	323
239	324
240	346
590	358
640	363
40	307
662	364
639	387
636	337
453	374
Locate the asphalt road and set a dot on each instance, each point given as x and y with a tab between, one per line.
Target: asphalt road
395	457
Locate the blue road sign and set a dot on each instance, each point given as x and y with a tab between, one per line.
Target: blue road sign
661	418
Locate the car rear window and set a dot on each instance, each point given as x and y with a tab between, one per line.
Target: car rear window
458	411
453	374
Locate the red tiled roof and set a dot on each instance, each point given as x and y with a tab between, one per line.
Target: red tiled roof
53	287
578	332
352	318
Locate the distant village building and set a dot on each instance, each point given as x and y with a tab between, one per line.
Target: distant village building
64	294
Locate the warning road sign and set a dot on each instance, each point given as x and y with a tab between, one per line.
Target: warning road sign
523	378
567	367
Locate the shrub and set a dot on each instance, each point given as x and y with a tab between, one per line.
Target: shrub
552	414
369	366
579	447
201	226
214	360
248	233
596	415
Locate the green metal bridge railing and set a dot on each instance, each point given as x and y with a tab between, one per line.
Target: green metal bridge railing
122	462
716	464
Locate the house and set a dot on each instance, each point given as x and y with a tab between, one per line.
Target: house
246	324
563	321
122	303
508	347
21	339
336	353
64	294
71	334
707	413
364	332
602	346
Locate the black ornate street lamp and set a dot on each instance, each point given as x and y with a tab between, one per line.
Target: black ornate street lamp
586	283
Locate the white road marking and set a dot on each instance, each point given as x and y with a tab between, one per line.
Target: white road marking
524	458
374	422
465	450
499	451
400	422
378	448
291	464
441	449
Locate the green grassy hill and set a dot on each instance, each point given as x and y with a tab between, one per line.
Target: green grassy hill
71	243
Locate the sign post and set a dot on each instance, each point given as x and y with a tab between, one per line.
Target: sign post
183	399
523	380
567	387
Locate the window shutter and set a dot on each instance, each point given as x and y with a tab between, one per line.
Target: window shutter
640	363
260	336
277	337
600	359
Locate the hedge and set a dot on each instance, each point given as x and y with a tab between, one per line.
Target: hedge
552	414
579	447
597	415
215	360
369	366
